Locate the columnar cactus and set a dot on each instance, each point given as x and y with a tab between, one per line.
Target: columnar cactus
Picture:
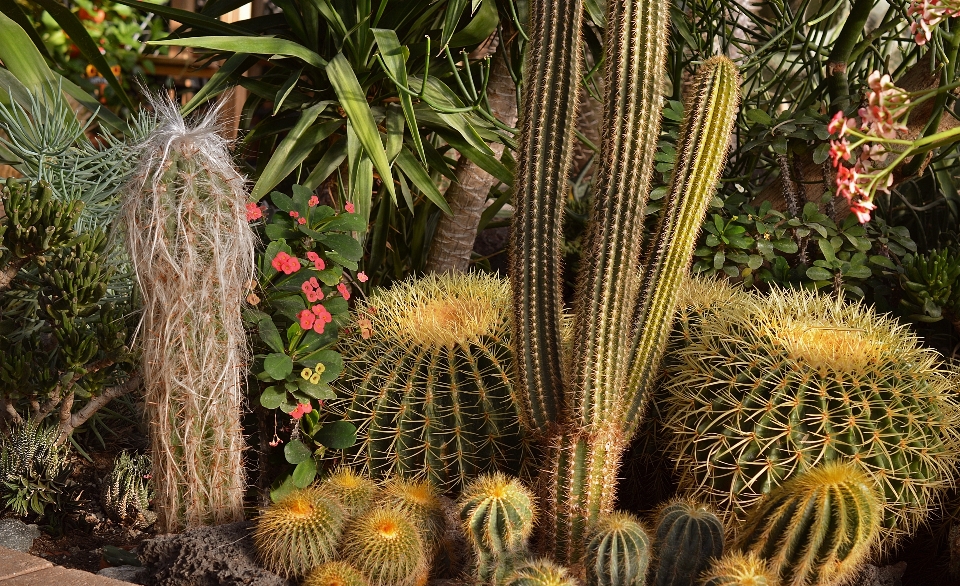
738	569
193	252
428	380
385	545
299	532
817	528
618	553
689	537
780	383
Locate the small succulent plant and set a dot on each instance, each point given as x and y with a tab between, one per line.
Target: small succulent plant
127	491
931	287
33	468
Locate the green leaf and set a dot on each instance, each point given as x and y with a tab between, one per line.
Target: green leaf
305	473
395	61
285	90
295	452
320	391
412	168
483	160
13	10
758	116
272	397
346	246
278	365
482	25
337	435
22	58
354	102
198	21
327	165
450	20
216	84
293	149
819	274
284	488
332	361
597	12
256	45
882	261
346	223
270	335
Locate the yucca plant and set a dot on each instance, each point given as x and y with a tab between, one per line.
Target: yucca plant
586	411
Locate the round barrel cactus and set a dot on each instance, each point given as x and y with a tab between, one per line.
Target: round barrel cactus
689	537
541	572
335	574
428	381
385	545
817	528
778	384
618	553
739	569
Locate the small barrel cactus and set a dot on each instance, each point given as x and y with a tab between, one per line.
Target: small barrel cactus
355	492
781	382
497	514
385	545
299	532
429	381
127	491
738	569
541	572
337	573
689	537
818	527
618	553
420	501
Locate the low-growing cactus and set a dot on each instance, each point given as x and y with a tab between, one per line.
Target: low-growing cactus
420	501
428	380
355	492
618	553
542	572
738	569
498	513
299	532
689	537
779	383
127	491
335	574
33	468
385	545
816	528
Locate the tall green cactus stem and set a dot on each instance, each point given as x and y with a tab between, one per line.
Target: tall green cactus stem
618	553
689	537
818	528
738	569
547	121
428	380
193	251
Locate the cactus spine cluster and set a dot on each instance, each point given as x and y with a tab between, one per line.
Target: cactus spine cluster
817	528
689	537
780	383
355	492
540	572
428	376
299	532
127	491
385	545
618	553
738	569
420	501
335	574
193	252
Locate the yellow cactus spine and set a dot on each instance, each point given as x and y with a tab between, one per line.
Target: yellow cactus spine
355	492
739	569
385	545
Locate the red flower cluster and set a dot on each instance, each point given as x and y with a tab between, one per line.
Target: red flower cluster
342	288
312	290
254	212
349	207
286	263
362	277
300	410
314	200
315	318
316	260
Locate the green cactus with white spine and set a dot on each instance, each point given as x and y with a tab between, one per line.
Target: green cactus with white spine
299	532
689	537
428	380
619	552
336	573
738	569
783	382
818	528
420	500
540	572
127	491
585	412
355	492
386	546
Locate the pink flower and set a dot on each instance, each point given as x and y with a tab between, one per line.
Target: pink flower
362	277
316	260
862	210
314	200
253	211
342	288
839	150
286	263
277	262
307	319
306	287
294	214
314	283
301	221
349	207
297	412
837	124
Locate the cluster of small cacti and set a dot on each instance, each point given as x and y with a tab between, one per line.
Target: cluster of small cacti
127	491
33	467
348	531
931	287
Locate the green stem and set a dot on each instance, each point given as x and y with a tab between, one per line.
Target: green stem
837	82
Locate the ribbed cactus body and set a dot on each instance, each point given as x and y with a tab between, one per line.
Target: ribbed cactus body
689	537
386	546
428	380
299	532
355	492
738	569
541	572
618	553
127	491
780	383
498	513
335	574
420	501
817	528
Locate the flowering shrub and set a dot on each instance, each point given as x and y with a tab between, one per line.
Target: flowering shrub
299	302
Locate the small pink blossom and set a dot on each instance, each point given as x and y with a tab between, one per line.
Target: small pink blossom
362	277
294	214
253	211
839	150
300	410
301	221
349	207
342	288
862	210
307	318
314	200
316	260
286	263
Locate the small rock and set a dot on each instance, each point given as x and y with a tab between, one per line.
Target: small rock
133	574
17	535
872	575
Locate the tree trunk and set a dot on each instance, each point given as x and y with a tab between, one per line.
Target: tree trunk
456	233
